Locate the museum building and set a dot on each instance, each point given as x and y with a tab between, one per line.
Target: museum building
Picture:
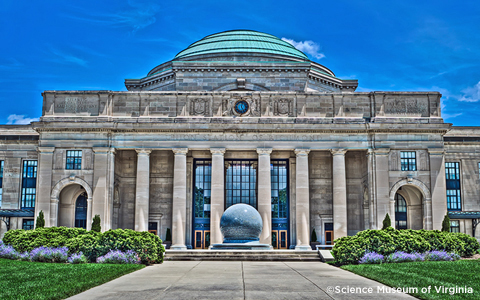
241	117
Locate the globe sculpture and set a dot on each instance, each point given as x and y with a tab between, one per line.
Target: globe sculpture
241	225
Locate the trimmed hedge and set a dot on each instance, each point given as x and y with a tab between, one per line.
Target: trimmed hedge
92	244
350	249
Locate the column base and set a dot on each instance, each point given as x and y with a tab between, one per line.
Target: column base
303	248
178	247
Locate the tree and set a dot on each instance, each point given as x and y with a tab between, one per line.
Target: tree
386	222
40	220
96	224
446	224
168	235
313	238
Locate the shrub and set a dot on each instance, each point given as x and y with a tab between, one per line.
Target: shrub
446	223
49	254
92	244
27	240
96	224
371	258
313	238
40	223
119	257
77	258
147	245
386	222
349	250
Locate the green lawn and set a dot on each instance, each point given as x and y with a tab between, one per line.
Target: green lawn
33	280
449	274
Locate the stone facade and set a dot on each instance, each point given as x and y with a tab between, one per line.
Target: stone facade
141	151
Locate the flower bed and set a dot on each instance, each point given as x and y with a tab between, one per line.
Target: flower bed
92	244
350	249
400	256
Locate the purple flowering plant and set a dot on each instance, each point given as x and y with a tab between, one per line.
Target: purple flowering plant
119	257
49	254
7	251
371	258
436	255
400	256
77	258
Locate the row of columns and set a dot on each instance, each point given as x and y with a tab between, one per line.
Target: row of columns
217	207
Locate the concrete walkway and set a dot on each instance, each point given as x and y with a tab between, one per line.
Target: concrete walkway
240	280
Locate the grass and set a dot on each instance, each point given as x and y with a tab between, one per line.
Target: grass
33	280
449	274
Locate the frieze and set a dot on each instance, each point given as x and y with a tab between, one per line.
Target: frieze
252	107
199	107
73	105
283	107
400	106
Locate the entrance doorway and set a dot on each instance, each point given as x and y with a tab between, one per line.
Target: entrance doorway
81	211
279	239
202	239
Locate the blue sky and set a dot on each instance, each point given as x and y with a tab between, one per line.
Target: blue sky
94	45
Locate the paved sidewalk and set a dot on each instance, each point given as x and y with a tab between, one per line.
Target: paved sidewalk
238	280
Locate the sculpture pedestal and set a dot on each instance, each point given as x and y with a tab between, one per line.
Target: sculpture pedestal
241	246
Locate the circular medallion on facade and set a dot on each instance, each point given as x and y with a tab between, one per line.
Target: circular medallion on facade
241	107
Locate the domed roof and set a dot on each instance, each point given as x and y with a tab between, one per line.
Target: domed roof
241	41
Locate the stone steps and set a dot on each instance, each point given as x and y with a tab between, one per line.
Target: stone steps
243	255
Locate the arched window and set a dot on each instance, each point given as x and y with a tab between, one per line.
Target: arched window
400	212
81	211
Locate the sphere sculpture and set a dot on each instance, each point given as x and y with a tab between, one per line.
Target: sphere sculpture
241	226
241	223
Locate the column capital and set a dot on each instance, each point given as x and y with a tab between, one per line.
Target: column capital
180	151
45	150
302	152
436	151
264	151
143	151
338	152
217	151
382	151
101	150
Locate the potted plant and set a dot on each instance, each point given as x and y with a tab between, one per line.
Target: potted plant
313	240
168	239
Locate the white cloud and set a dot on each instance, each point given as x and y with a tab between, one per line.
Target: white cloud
450	116
308	47
20	119
471	94
141	14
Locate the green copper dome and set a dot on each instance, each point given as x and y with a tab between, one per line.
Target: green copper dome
241	41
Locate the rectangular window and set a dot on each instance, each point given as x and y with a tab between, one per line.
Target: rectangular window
1	181
452	178
408	160
29	183
74	160
454	226
241	182
27	224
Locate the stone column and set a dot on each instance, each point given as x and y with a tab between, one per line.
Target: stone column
89	213
179	205
264	197
382	188
371	190
339	194
437	205
303	200
217	202
142	190
44	187
103	171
